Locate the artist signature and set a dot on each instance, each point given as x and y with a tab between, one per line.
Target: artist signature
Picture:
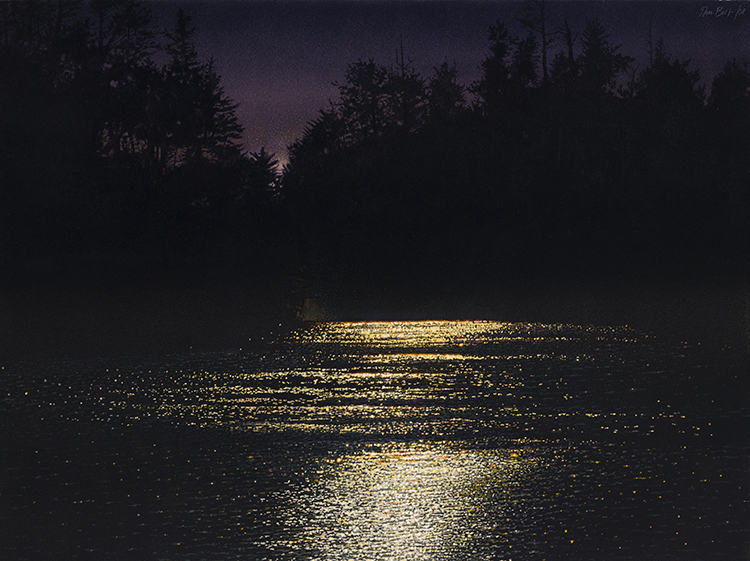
722	12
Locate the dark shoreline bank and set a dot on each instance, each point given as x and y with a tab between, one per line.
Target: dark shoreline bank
63	308
108	308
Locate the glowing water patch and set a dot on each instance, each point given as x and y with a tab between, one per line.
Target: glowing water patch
414	501
409	333
372	441
403	357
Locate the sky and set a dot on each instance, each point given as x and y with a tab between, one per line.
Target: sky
279	58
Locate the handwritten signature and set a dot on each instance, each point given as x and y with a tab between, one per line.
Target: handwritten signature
722	12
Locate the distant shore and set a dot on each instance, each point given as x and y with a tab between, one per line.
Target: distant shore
111	307
114	307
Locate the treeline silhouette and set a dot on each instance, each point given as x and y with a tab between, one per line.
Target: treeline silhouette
566	166
102	148
564	160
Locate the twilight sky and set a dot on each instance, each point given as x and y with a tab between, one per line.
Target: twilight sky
278	59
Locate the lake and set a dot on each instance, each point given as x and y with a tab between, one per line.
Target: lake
427	440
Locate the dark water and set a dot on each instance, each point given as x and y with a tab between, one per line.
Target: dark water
421	441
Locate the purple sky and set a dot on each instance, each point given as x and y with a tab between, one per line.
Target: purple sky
278	59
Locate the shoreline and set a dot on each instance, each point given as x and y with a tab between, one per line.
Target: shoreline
149	309
118	311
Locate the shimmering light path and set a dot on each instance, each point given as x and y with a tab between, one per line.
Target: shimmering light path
385	441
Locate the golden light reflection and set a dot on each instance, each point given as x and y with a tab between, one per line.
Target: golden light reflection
410	501
429	378
390	358
410	333
421	440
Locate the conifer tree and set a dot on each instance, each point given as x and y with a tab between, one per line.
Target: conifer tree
600	62
535	18
666	83
219	130
494	84
445	96
405	95
202	124
523	73
730	90
362	100
564	70
263	173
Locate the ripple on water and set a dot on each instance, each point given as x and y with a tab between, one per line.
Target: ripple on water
382	440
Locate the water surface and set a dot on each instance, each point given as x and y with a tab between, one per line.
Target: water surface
393	440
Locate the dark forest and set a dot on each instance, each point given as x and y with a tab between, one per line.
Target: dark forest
565	162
